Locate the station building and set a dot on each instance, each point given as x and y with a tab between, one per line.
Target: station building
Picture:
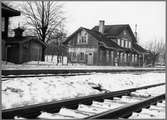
105	45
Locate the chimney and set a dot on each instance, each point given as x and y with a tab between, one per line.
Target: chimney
18	32
101	26
135	31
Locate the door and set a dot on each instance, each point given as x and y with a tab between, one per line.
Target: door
90	58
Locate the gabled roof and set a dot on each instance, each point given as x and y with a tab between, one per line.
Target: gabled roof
8	11
25	39
100	37
115	30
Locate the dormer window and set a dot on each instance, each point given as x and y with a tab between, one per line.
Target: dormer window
82	37
124	32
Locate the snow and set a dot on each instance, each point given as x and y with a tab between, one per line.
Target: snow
45	115
49	64
148	114
149	92
34	90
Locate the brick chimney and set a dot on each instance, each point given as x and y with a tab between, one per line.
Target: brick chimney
18	32
101	26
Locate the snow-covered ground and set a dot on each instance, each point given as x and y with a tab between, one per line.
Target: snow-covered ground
25	91
54	65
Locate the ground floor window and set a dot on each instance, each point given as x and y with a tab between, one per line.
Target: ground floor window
107	55
73	56
112	55
125	57
132	57
135	58
81	56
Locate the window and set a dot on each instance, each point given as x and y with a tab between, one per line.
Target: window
107	55
73	56
125	56
82	37
112	55
130	44
132	57
122	43
135	58
126	44
81	56
118	42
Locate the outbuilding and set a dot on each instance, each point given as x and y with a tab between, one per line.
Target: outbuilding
21	49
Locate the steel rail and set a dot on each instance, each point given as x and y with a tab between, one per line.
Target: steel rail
127	110
32	111
43	75
74	70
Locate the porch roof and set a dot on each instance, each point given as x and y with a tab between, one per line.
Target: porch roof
8	11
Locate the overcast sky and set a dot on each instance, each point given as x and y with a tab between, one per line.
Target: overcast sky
149	16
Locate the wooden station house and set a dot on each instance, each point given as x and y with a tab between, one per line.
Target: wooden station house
105	45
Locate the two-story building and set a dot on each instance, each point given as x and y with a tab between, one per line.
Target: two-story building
105	45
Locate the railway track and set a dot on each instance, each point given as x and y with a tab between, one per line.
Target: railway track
42	75
75	70
104	105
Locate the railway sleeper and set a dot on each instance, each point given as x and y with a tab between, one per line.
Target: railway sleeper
127	109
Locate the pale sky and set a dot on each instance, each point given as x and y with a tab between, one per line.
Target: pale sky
149	16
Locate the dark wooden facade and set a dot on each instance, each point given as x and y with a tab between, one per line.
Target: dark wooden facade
105	45
18	49
7	12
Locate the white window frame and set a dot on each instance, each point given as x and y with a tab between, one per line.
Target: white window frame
130	44
119	42
122	43
82	37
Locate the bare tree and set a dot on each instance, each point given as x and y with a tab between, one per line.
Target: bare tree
157	49
45	17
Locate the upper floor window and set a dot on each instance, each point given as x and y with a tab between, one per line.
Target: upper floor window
130	44
118	41
122	43
82	37
126	44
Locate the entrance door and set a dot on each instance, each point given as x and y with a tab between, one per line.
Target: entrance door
90	58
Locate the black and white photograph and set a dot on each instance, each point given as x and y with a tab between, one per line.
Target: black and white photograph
83	59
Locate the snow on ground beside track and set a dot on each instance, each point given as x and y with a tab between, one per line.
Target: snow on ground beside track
25	91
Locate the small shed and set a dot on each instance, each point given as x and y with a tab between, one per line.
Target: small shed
20	49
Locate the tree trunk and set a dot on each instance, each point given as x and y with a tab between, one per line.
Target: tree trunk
43	54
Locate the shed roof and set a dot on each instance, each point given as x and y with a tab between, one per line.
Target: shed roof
8	11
